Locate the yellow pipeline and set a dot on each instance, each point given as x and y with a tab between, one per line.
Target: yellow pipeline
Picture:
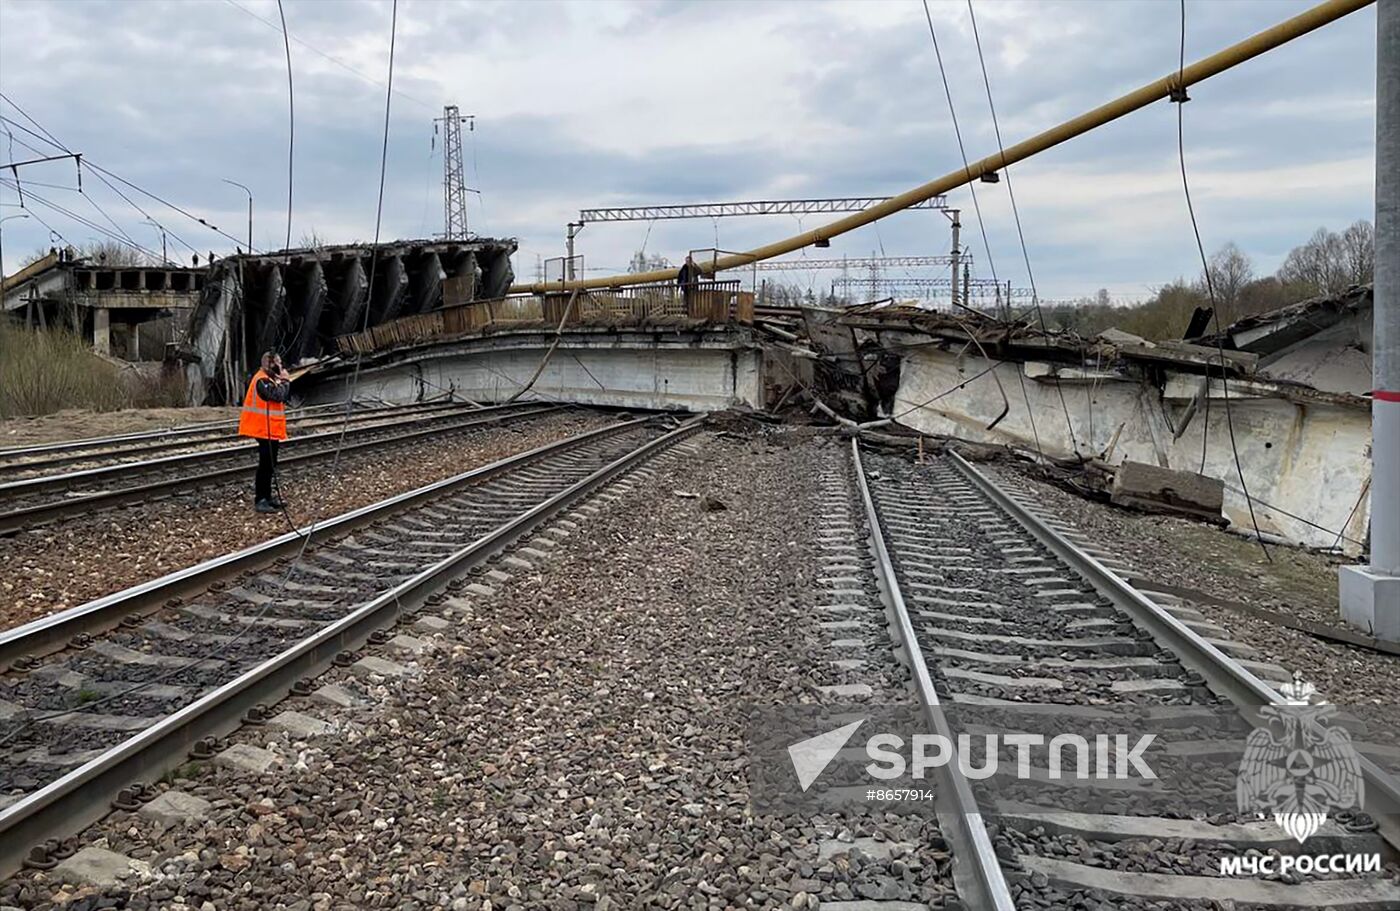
1251	47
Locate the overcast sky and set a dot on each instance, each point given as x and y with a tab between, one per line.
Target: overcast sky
592	103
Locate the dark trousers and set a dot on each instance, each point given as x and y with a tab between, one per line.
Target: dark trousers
267	464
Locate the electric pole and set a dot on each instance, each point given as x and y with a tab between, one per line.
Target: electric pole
955	253
1370	595
454	185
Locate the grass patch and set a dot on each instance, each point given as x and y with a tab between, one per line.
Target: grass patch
42	372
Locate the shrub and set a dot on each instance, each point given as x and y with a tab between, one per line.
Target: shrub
44	372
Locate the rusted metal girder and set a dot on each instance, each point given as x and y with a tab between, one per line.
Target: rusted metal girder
1267	40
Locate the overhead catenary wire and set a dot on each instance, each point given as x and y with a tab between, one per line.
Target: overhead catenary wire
291	124
1180	97
1016	215
977	208
122	180
45	135
82	220
331	57
252	620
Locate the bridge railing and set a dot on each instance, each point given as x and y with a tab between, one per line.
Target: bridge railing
704	303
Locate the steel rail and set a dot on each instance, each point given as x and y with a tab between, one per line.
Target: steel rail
1217	63
225	432
51	481
51	633
1224	674
976	868
188	429
82	796
18	519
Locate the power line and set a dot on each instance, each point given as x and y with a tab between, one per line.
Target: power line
291	122
1180	97
977	208
85	222
1016	214
331	57
222	647
101	174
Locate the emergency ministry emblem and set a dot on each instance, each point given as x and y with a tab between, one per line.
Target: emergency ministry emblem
1298	766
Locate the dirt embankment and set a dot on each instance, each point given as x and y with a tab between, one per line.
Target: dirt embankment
80	423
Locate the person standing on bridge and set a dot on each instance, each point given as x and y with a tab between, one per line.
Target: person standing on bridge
264	418
687	279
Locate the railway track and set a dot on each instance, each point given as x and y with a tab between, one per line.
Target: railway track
40	459
132	681
999	613
31	501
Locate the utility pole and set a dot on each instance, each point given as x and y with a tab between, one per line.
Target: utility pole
164	254
574	228
1370	595
454	185
955	253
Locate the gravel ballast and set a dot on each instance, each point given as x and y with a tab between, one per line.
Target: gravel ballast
66	563
567	731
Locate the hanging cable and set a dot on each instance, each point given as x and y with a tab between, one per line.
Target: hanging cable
49	137
53	140
31	196
333	59
291	122
1016	214
1180	97
981	223
224	646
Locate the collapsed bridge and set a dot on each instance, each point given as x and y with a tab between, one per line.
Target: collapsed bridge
298	301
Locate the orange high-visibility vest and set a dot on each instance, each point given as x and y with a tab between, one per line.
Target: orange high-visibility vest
261	418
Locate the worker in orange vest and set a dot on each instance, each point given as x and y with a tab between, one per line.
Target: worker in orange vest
264	418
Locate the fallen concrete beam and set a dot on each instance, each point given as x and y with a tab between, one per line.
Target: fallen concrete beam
1166	490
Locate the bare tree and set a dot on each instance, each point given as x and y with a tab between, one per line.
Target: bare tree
1230	272
1316	266
1359	252
112	253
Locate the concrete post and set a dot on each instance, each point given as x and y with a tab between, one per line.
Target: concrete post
101	330
955	253
1370	595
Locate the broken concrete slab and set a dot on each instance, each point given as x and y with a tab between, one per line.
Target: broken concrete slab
410	644
1166	490
430	624
98	867
301	726
879	850
174	807
336	695
243	757
847	690
383	667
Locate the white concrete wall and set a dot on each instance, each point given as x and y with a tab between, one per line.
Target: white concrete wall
692	379
1310	460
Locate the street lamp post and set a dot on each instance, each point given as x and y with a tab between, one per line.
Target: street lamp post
164	256
250	209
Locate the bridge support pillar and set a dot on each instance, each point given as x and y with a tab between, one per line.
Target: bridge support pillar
101	330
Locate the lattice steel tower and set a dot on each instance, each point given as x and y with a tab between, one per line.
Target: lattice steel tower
454	185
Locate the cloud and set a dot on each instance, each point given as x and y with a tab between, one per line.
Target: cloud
611	103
